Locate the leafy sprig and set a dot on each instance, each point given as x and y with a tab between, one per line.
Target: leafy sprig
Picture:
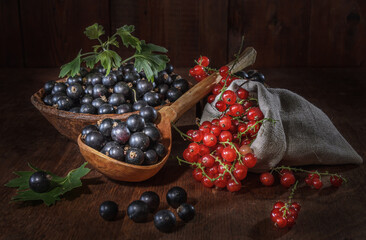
60	185
149	57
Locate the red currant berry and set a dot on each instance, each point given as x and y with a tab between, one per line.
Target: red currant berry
204	61
336	181
287	180
207	160
211	98
225	122
242	127
247	104
220	106
221	182
200	77
215	122
190	133
205	127
225	136
236	110
267	179
197	136
244	149
278	205
224	70
242	93
216	130
216	89
317	183
296	206
291	221
228	154
240	172
209	139
192	72
194	148
204	150
275	213
213	171
229	97
189	156
253	127
199	70
255	114
207	182
197	174
281	222
250	160
232	186
292	213
283	171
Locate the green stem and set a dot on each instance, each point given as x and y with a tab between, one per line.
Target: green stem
129	58
197	165
182	134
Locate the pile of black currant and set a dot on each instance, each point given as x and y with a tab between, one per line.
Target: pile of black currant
122	90
139	210
135	141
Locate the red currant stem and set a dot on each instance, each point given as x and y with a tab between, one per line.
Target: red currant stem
197	165
326	173
256	123
285	208
226	169
182	134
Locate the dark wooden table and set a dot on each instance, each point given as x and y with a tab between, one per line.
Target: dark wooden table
326	214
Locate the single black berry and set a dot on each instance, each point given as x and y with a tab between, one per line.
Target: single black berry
151	199
152	132
138	105
95	140
173	94
176	196
108	210
135	123
88	129
149	114
48	86
186	212
160	149
124	108
88	108
105	109
139	140
150	157
39	182
164	220
138	211
120	133
134	156
116	152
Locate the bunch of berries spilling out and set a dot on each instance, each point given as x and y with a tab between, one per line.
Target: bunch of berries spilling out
285	214
220	150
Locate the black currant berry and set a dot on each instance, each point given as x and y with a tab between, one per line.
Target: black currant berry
153	133
173	94
73	80
186	212
40	182
88	108
164	220
134	156
181	84
56	96
64	103
176	196
242	74
108	210
139	140
169	68
149	114
98	102
89	90
258	77
152	98
74	91
109	80
100	69
123	88
88	129
151	199
131	77
86	99
108	146
94	78
120	133
135	123
83	72
163	88
48	86
105	109
138	211
116	99
95	140
124	108
160	149
75	110
138	105
143	86
59	87
119	75
99	90
48	100
105	127
117	153
150	157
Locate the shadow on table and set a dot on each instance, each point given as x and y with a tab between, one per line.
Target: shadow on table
266	230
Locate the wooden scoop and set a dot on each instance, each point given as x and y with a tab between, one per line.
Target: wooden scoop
134	173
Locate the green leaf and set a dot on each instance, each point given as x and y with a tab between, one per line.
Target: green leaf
90	60
149	47
96	48
127	38
109	59
112	41
72	68
94	31
61	185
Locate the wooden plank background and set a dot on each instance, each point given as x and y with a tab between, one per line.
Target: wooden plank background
286	33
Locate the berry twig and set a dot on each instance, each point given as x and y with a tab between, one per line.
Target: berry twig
182	134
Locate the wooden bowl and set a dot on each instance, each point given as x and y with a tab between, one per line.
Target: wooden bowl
71	124
132	173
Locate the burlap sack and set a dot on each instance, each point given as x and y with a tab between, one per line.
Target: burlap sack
302	135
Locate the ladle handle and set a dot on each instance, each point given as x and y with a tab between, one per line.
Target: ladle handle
201	89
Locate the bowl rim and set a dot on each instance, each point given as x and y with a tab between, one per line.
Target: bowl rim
81	144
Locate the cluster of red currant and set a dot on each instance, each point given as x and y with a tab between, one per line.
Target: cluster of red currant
198	71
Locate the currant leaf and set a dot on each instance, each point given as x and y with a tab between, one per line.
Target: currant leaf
127	38
94	31
109	59
90	61
72	68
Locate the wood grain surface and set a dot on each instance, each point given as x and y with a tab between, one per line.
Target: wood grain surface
287	33
326	214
